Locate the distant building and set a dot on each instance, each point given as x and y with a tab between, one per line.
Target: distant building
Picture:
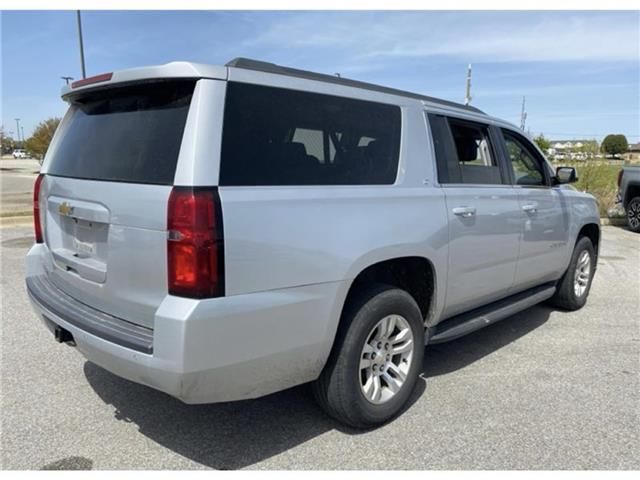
573	149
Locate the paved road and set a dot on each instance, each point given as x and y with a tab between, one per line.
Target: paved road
16	185
542	390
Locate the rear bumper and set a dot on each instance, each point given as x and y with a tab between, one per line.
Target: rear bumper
202	351
126	334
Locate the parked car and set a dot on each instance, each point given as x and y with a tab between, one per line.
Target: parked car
19	153
629	195
222	233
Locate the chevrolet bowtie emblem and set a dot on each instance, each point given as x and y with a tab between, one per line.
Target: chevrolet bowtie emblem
65	209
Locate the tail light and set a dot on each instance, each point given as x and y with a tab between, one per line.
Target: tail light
195	243
37	226
620	173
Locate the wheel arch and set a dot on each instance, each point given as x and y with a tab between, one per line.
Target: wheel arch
592	232
399	271
632	190
413	273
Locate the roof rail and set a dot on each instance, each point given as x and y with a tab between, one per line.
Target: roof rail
267	67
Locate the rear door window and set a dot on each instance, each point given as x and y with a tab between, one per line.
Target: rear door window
127	134
465	153
275	136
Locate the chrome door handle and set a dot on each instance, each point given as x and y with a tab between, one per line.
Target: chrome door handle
530	208
465	212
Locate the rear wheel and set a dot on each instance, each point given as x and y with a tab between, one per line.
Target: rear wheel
573	288
633	214
374	365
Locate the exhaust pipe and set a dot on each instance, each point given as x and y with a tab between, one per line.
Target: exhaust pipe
63	336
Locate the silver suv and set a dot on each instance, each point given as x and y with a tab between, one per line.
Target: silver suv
221	233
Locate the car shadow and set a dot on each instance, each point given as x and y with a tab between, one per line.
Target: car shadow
238	434
443	358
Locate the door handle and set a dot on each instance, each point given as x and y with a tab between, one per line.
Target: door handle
465	212
530	208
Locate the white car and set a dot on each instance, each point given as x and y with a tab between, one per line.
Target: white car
19	153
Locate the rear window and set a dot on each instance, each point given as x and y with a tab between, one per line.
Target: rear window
275	136
128	134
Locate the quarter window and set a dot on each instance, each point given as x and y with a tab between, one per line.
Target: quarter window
275	136
312	141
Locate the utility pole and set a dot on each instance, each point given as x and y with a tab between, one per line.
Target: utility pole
467	97
67	79
18	128
84	73
523	115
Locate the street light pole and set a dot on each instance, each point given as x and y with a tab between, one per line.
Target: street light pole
84	73
523	115
18	128
467	96
22	134
67	79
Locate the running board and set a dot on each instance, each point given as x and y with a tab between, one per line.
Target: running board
468	322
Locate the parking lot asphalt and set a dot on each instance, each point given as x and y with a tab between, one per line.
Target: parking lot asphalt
544	389
16	185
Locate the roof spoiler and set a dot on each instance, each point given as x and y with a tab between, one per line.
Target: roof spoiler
168	71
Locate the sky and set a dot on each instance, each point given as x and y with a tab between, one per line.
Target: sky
579	71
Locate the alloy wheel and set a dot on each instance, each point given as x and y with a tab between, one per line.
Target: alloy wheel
633	215
582	274
386	358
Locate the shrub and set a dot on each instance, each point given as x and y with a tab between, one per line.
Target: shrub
600	180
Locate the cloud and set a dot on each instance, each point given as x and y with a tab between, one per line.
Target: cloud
473	36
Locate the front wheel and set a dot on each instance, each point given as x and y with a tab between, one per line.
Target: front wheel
375	363
573	288
633	215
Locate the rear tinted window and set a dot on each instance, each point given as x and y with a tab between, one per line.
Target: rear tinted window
130	134
275	136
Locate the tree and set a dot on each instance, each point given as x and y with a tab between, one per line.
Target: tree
542	142
615	144
590	148
39	142
8	143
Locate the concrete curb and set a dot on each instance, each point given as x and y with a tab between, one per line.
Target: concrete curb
615	222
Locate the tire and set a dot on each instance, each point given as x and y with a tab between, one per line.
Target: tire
568	296
633	214
339	390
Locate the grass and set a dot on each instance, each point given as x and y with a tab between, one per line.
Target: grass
600	180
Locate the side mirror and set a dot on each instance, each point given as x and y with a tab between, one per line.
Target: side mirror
565	175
